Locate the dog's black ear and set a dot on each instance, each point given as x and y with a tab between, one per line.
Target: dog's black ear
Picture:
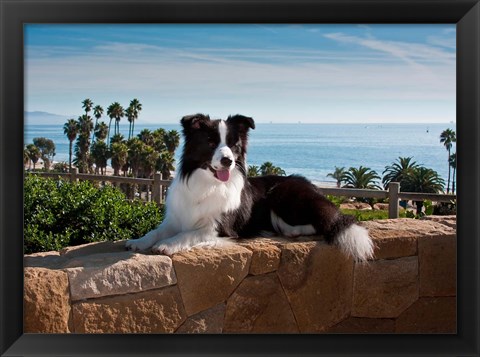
194	121
242	122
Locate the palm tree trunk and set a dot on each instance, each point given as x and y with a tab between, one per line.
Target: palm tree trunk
419	207
133	126
93	133
453	180
70	156
449	167
108	135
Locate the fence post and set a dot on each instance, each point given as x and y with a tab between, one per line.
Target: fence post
393	190
73	174
157	189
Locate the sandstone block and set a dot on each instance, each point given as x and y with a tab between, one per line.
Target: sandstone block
438	265
395	238
46	301
208	321
429	315
392	238
49	260
93	248
265	256
105	274
449	221
383	206
317	279
385	288
154	311
207	276
356	205
364	325
259	305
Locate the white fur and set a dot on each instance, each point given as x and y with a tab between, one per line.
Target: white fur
355	242
222	150
192	208
285	229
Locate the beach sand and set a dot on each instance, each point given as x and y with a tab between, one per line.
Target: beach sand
39	166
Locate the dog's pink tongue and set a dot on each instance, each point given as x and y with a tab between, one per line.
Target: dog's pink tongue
223	175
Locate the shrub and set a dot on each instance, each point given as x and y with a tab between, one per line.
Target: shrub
58	213
369	215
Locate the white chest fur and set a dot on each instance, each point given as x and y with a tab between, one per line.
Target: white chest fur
200	201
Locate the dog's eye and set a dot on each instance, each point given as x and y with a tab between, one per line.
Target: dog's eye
211	141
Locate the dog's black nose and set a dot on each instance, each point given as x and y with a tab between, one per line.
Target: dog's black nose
225	161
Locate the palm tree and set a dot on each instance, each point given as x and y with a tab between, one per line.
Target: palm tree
119	156
453	165
363	177
135	107
172	140
135	149
447	138
100	155
423	180
159	139
26	157
33	153
97	113
117	138
253	171
149	158
268	168
82	146
114	111
146	136
87	104
398	171
129	114
101	131
165	164
337	175
70	129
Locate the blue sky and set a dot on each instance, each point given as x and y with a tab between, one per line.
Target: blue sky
274	73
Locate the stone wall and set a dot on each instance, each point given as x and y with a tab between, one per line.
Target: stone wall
258	286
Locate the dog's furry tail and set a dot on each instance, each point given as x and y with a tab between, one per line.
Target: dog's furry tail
353	240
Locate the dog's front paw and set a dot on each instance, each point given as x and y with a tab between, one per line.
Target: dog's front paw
168	247
137	244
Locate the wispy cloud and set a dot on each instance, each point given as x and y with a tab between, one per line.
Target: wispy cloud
412	53
272	83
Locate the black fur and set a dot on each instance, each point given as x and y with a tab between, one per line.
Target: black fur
201	138
293	198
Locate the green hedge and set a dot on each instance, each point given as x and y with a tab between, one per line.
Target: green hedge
370	215
58	213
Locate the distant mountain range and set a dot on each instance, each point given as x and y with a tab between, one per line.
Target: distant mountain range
39	118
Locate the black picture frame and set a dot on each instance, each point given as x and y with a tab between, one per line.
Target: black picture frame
16	13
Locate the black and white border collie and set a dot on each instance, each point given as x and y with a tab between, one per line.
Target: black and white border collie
211	197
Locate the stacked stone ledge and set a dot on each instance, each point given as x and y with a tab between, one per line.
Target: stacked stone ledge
264	285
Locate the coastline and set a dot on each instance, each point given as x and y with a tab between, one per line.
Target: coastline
40	165
314	150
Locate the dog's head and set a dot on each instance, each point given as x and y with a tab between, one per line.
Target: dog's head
218	146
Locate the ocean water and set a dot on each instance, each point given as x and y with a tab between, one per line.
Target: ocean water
313	150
